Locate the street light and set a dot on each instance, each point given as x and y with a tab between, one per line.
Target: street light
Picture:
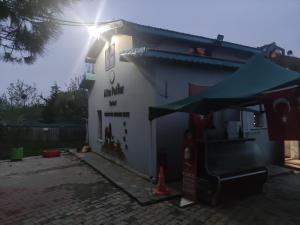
96	30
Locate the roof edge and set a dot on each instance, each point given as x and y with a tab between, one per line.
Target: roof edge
175	35
177	56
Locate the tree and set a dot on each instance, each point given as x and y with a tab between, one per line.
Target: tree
20	94
74	84
70	105
3	106
26	26
20	103
3	100
49	110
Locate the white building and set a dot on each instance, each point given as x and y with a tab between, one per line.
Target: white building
136	66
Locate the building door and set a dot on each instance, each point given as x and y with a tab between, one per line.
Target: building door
291	153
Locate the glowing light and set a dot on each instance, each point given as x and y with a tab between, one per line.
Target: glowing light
95	31
78	67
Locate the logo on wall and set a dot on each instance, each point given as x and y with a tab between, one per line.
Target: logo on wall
112	146
112	77
283	107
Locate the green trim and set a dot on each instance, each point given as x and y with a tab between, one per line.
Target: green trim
88	80
90	76
177	57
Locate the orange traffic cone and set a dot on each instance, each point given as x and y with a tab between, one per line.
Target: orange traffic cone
161	188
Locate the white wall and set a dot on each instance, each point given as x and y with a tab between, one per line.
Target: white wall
136	98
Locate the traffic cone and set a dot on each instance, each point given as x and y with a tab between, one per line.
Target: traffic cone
161	188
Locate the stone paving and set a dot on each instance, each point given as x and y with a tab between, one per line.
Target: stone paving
135	186
65	191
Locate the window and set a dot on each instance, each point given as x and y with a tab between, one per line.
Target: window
197	51
90	68
110	57
276	53
99	130
259	120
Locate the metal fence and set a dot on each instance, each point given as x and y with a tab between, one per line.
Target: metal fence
35	139
51	134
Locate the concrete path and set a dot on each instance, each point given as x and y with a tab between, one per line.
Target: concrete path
135	186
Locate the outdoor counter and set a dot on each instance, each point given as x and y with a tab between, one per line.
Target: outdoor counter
225	140
231	166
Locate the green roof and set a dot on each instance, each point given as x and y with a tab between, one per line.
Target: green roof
134	29
144	52
243	87
149	30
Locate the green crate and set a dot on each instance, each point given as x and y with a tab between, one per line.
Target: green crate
16	154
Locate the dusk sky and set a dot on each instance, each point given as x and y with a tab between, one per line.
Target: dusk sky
247	22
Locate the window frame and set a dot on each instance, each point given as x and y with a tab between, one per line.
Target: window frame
110	57
99	125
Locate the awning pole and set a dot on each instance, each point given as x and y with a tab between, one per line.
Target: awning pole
150	160
242	123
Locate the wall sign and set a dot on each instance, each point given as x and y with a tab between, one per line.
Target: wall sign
110	57
115	90
117	114
113	103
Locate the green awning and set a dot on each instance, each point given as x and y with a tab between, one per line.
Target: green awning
242	88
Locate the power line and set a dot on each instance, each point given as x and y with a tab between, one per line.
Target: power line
72	25
70	22
57	21
73	22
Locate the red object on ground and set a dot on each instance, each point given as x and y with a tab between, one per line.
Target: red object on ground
49	153
161	188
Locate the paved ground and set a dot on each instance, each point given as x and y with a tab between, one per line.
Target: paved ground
65	191
135	186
